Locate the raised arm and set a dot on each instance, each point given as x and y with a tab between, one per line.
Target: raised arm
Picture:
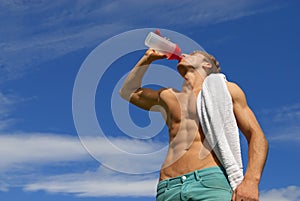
132	90
257	145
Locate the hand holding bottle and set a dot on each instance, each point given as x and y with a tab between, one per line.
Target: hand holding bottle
153	55
163	46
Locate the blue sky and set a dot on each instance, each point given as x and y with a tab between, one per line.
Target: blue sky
43	45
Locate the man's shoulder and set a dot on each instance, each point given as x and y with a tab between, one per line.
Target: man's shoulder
167	93
235	91
169	90
232	85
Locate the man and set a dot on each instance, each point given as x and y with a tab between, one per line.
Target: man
191	170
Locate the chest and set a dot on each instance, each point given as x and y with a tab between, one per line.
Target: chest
180	105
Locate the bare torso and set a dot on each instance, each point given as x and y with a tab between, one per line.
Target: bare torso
187	151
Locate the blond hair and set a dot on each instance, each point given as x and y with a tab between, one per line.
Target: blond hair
212	60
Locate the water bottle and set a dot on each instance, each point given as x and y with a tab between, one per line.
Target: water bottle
163	46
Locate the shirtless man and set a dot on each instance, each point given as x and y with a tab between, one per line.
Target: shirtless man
191	171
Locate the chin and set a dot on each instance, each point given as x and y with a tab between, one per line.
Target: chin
181	65
180	70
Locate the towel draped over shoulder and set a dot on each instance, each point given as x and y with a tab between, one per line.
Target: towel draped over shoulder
215	110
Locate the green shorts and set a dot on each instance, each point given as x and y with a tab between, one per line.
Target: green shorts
209	184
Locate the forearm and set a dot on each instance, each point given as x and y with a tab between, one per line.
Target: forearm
134	78
257	155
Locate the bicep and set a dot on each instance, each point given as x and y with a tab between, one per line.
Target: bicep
146	98
245	117
246	120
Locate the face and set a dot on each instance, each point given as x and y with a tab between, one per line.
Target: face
189	62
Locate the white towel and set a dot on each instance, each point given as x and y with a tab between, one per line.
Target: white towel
215	110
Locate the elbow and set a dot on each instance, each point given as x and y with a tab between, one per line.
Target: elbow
266	144
125	94
264	141
258	137
265	147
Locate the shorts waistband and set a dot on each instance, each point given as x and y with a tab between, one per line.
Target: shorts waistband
191	176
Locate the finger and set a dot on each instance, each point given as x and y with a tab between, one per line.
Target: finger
158	53
233	196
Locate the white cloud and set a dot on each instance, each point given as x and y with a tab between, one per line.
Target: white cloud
7	105
6	102
103	182
288	113
99	184
24	155
285	113
290	193
30	151
26	152
38	148
282	123
43	148
3	187
290	134
39	31
109	187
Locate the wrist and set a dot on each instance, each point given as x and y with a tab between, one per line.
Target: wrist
146	60
253	180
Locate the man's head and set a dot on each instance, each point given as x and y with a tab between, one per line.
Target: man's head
198	60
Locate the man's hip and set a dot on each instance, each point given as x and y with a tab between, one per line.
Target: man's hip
209	184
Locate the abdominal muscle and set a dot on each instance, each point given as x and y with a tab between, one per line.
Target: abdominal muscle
187	150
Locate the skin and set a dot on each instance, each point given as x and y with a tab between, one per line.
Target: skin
187	148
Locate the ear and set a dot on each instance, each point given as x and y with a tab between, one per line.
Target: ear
206	65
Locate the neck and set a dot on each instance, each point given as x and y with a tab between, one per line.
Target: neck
194	82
